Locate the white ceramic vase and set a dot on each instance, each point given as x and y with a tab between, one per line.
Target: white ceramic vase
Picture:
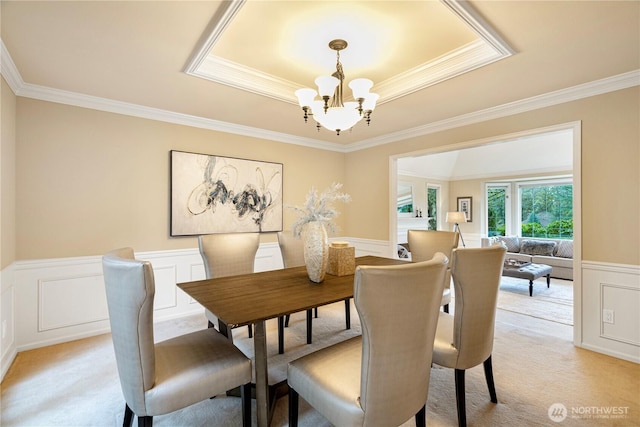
316	250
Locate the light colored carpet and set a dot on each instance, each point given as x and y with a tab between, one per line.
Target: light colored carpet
535	366
554	303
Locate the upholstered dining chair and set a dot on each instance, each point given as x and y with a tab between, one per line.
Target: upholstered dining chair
292	249
227	254
423	244
170	375
465	339
380	378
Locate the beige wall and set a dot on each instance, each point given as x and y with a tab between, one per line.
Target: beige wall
420	196
610	171
89	181
7	176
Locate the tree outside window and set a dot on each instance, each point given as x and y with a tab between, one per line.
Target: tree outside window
547	211
432	207
496	215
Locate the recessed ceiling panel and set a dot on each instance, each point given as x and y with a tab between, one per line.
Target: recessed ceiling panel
273	48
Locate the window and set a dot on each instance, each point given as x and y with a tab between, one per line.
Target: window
498	209
433	192
546	210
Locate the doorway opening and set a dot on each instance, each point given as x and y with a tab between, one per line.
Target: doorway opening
468	169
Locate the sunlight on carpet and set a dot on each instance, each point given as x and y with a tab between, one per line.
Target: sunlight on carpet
554	303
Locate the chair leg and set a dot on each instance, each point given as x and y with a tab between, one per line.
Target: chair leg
309	326
250	331
245	395
347	313
281	335
488	374
145	421
128	416
421	417
286	320
315	312
460	401
445	308
293	408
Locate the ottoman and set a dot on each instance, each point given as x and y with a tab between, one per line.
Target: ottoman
530	272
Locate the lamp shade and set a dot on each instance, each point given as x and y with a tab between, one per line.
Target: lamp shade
456	217
360	87
305	96
326	85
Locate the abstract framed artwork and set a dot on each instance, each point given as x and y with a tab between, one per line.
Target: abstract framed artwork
214	194
464	205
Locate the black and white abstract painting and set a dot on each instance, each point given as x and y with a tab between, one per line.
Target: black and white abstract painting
215	194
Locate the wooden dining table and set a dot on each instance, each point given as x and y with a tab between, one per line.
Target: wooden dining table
252	299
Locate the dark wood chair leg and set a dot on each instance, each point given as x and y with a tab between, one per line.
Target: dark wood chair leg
548	280
280	334
145	421
347	313
421	417
250	331
488	374
245	395
293	408
530	288
460	401
309	326
128	416
445	308
315	312
286	320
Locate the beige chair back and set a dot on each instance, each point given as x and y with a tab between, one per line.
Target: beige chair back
423	244
130	289
476	279
398	308
228	254
292	249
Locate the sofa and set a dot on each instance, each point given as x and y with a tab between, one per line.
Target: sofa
554	252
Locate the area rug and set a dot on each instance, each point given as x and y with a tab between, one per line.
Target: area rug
554	303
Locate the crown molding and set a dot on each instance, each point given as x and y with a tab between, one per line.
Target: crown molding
9	70
585	90
27	90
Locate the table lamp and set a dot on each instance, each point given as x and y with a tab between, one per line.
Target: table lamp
456	218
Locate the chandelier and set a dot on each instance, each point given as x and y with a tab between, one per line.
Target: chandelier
337	115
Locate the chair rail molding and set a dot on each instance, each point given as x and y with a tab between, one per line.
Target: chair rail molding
50	301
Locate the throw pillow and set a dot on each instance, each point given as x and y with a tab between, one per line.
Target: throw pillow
565	249
537	247
513	243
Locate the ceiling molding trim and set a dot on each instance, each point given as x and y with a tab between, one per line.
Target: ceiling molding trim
232	74
488	49
469	15
28	90
467	58
9	70
217	26
598	87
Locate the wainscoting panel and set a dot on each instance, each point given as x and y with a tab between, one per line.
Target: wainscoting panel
166	291
62	301
613	289
45	302
58	300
